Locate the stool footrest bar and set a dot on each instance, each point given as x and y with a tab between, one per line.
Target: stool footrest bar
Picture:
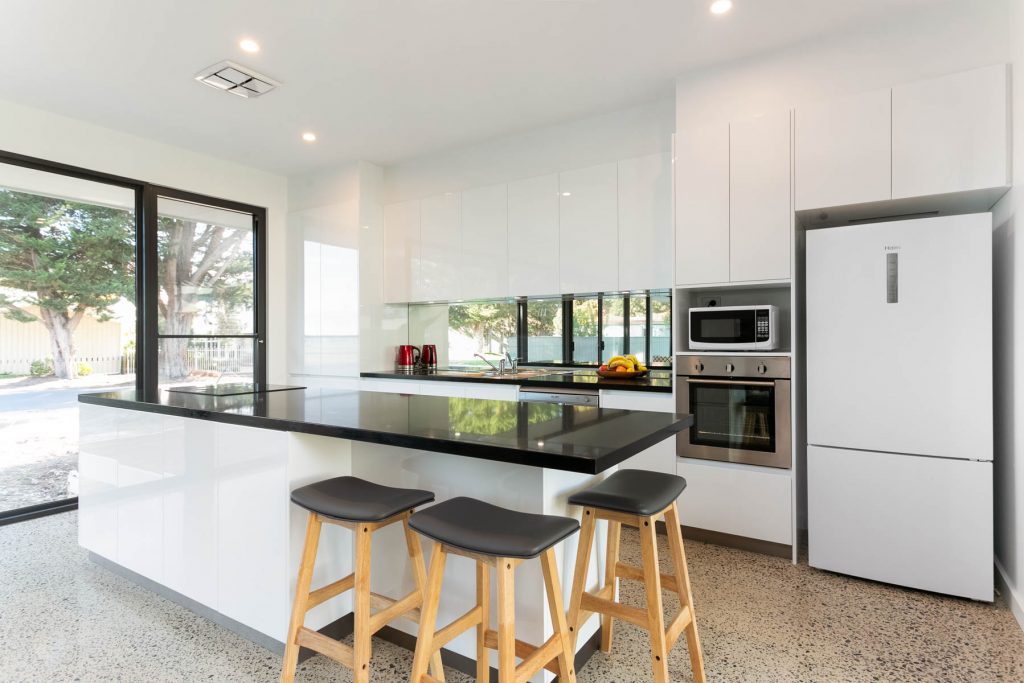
633	615
677	626
325	646
535	661
633	573
330	590
467	621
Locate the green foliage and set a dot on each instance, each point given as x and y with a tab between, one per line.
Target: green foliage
544	317
484	321
66	256
41	368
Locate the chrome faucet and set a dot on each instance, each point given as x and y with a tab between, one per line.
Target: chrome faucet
512	362
500	368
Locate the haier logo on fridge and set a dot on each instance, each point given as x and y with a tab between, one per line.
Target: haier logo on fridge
891	247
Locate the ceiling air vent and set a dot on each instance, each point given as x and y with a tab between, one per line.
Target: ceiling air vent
236	79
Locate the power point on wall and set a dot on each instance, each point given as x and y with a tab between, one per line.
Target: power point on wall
708	301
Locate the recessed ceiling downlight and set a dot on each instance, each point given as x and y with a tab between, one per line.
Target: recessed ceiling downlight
309	137
249	45
721	6
236	79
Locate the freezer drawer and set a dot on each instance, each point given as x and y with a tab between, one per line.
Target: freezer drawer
913	521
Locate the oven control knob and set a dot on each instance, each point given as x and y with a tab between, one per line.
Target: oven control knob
730	368
762	368
698	366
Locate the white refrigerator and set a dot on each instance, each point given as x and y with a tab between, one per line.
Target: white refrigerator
899	402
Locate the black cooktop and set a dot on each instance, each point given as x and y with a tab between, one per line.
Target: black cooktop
236	389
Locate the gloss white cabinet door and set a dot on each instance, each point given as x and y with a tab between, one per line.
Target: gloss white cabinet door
484	260
702	205
588	234
532	228
661	457
760	211
401	250
843	151
440	248
645	222
951	134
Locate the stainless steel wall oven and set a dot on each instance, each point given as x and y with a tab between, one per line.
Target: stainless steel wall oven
740	406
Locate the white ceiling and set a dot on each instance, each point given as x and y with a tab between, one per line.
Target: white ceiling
379	80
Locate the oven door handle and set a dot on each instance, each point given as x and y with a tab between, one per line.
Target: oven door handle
690	380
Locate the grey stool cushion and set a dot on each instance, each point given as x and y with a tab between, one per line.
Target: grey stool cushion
357	500
635	492
479	527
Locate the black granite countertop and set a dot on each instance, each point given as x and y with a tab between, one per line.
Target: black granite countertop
657	381
572	438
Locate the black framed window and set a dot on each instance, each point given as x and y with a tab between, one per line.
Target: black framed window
600	326
210	303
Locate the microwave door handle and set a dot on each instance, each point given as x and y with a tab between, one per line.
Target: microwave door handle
690	380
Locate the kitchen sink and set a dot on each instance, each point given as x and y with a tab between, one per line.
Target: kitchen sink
523	374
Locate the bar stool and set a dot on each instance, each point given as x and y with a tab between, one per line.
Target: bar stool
363	507
494	537
636	498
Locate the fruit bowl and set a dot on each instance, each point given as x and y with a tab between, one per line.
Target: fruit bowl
613	374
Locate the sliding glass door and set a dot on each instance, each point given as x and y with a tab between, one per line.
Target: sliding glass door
112	283
207	300
67	322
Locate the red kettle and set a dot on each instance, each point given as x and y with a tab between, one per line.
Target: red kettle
407	357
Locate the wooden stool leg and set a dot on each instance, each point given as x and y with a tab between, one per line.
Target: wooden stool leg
483	599
428	614
361	642
652	586
579	578
412	542
675	542
506	576
611	559
291	648
566	656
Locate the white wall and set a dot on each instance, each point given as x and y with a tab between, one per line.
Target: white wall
338	324
633	132
37	133
1008	293
939	38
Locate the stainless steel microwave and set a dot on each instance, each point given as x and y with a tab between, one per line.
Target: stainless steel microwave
734	328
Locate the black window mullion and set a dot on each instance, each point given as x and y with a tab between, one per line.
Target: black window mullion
147	344
568	343
647	334
600	327
522	332
625	324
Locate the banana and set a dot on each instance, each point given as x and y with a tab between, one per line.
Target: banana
615	358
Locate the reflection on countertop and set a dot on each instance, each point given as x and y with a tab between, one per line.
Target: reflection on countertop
564	437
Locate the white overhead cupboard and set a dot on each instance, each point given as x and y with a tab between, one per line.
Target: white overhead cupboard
532	221
601	228
588	229
734	217
940	136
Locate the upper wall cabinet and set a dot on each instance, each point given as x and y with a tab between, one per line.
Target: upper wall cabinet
440	249
951	134
532	225
588	229
401	250
645	222
760	211
702	205
843	151
484	243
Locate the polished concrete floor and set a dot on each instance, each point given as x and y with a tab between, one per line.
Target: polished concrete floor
63	618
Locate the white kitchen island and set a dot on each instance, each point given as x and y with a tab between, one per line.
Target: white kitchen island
189	494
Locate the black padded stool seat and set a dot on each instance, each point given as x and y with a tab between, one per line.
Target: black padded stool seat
356	500
634	492
478	527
